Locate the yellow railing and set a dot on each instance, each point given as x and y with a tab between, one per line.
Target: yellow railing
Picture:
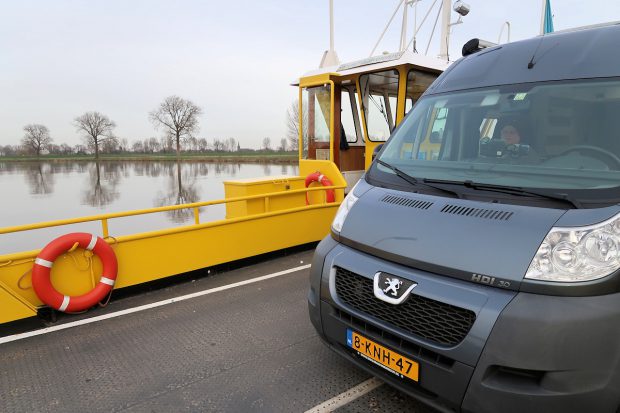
195	206
7	259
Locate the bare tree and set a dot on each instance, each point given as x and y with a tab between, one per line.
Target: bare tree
124	145
79	149
110	144
137	147
192	143
53	149
283	145
292	125
165	144
203	145
218	145
95	128
65	149
154	144
267	144
231	144
36	138
178	117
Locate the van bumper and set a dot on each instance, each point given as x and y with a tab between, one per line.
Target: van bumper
550	354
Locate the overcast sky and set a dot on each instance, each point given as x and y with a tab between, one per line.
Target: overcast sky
235	59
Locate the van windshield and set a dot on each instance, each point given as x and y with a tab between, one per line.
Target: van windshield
554	136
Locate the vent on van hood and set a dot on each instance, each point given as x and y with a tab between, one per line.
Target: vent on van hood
407	202
477	212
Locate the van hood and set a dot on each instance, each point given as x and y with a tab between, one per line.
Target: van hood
472	240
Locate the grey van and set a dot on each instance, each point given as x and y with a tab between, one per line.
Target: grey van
485	278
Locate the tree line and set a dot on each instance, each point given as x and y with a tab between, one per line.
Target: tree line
175	117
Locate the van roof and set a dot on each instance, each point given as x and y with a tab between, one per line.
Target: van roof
577	54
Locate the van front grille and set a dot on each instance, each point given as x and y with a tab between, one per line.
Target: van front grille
432	320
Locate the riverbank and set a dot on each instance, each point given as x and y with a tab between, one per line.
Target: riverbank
220	157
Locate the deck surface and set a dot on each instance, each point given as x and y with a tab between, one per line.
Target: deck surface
246	349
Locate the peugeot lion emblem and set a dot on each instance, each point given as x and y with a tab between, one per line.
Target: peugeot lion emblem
392	289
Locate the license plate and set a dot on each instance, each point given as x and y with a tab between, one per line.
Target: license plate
382	356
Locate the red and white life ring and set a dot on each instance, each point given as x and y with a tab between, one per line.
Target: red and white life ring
43	265
323	180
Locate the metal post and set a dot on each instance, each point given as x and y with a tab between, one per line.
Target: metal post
330	58
499	38
415	26
104	227
542	16
331	25
403	30
445	29
197	215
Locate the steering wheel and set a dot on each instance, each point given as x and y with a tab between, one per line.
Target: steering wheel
598	153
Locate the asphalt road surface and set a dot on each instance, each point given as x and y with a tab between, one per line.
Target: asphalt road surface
231	347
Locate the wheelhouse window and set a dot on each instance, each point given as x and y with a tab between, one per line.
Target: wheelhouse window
556	135
417	83
349	115
316	102
379	96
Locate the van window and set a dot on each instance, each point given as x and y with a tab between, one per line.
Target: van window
561	135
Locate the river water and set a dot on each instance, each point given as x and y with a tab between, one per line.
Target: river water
45	191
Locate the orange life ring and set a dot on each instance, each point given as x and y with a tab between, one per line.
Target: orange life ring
323	180
43	266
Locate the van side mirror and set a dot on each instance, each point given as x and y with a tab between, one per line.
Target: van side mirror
376	150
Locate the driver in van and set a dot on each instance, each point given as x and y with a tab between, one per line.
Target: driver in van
511	137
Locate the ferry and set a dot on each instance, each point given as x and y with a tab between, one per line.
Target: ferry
346	112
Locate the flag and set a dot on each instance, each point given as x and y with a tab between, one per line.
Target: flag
548	23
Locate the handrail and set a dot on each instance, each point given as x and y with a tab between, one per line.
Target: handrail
195	205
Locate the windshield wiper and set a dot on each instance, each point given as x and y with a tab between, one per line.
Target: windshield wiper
512	190
415	181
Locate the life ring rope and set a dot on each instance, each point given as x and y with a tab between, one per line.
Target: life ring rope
42	267
317	176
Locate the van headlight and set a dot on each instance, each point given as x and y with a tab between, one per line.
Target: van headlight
343	211
578	254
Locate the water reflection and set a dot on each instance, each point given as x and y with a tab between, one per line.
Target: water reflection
226	169
40	178
181	190
98	194
34	192
150	169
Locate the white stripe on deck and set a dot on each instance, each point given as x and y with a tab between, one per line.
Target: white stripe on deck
47	330
347	397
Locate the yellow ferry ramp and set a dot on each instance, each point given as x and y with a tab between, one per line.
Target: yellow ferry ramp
158	254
